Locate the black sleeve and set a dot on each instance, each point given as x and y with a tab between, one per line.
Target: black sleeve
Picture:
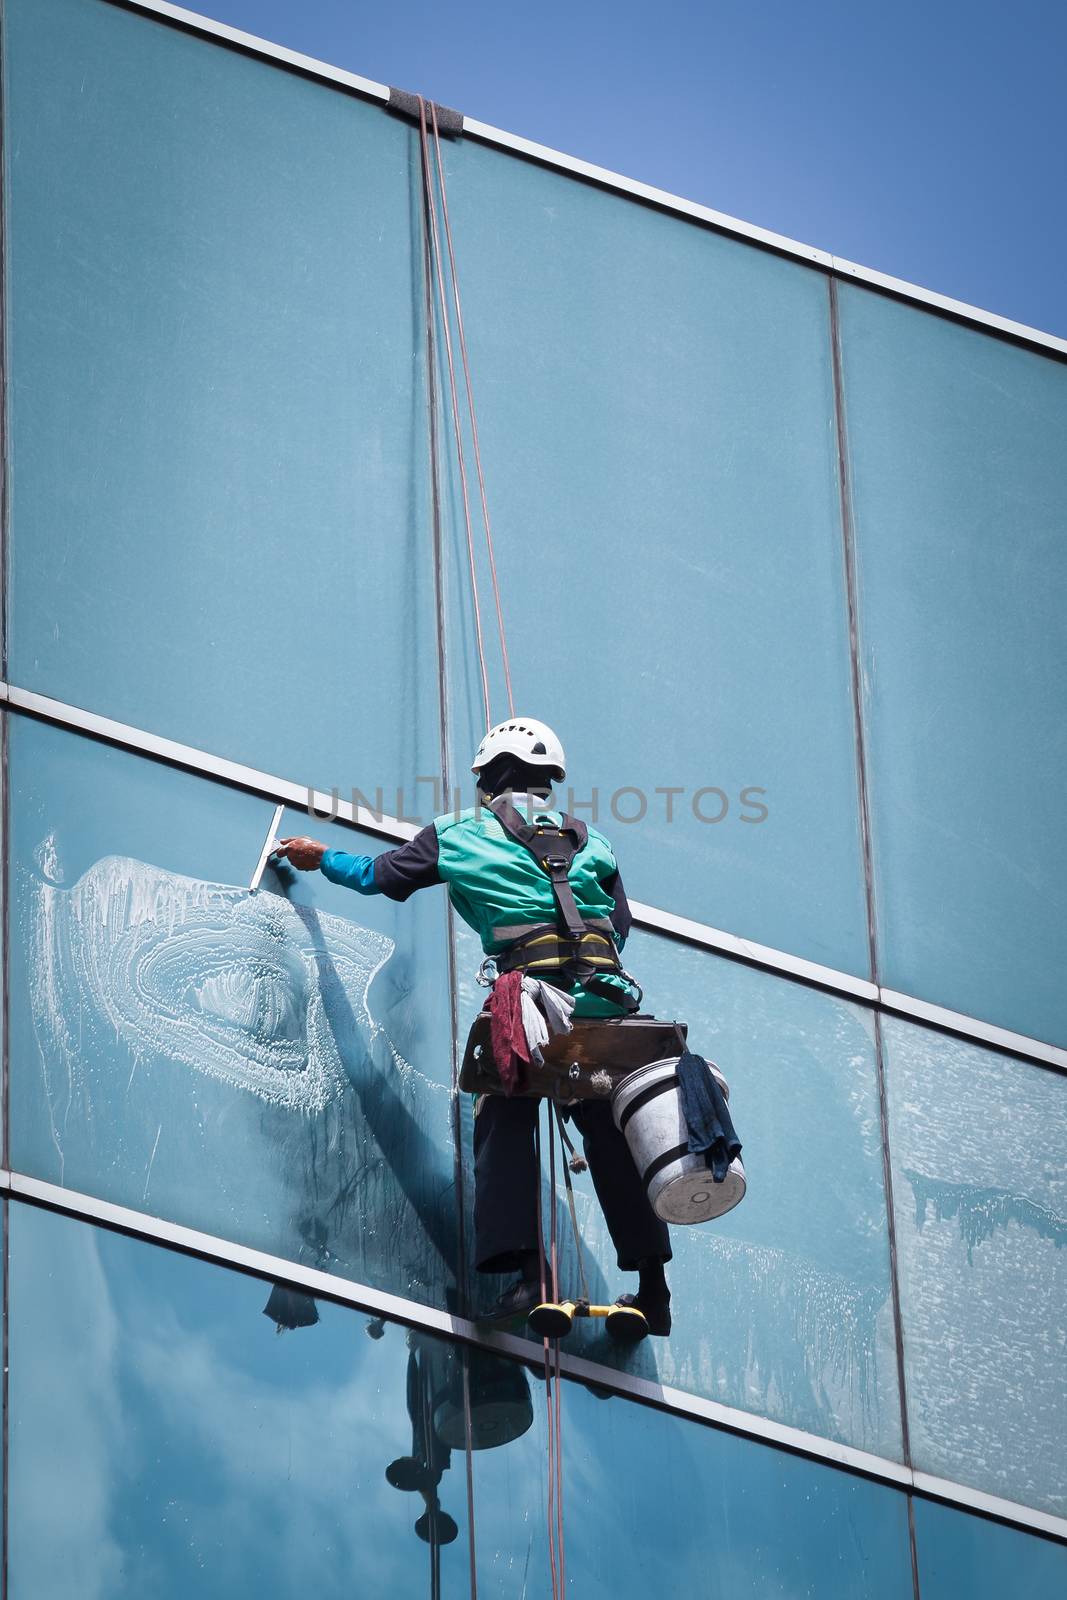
621	920
398	873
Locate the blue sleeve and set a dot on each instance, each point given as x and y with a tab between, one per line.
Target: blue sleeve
395	873
353	872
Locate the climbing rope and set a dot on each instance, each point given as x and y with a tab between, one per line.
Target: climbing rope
550	1289
470	406
446	327
569	1167
450	942
435	277
433	1531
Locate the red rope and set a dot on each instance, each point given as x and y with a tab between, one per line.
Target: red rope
470	407
427	179
552	1496
435	267
557	1389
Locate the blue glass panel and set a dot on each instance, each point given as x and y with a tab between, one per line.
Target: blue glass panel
959	480
271	1068
782	1307
656	1504
220	445
964	1555
656	413
191	1449
165	1441
980	1196
219	441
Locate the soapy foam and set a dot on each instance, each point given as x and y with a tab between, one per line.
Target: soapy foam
200	973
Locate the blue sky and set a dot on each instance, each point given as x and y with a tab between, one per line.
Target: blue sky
928	141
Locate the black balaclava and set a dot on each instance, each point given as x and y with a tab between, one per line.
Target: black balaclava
507	772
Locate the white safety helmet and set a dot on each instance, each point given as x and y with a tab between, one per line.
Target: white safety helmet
531	741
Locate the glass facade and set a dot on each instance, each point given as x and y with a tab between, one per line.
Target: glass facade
219	521
165	1439
710	543
207	355
197	348
260	1067
980	1193
959	1554
783	1307
193	1449
959	482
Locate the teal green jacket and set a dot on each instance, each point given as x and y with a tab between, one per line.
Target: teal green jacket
495	885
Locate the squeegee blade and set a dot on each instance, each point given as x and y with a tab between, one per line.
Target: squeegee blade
268	845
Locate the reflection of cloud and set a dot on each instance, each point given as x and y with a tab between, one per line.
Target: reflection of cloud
201	973
165	1443
298	1478
65	1412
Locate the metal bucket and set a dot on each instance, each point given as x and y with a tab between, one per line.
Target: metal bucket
647	1107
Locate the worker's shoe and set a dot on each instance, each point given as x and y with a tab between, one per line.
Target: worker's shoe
655	1309
513	1306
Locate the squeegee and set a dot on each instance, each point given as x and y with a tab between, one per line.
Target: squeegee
268	845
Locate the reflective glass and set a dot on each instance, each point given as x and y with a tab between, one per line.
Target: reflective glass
980	1196
220	447
959	481
964	1555
193	1450
272	1068
656	415
782	1307
165	1441
657	1504
218	434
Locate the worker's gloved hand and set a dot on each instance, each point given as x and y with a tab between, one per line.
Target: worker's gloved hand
305	854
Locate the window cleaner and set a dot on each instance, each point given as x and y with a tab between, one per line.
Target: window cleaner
547	900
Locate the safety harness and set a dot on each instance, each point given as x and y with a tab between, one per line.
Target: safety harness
575	949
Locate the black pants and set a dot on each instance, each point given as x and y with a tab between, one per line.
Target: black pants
506	1178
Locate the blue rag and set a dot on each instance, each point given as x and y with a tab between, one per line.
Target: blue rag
707	1116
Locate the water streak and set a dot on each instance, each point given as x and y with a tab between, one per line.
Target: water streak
981	1210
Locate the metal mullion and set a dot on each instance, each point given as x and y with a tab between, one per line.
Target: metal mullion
848	542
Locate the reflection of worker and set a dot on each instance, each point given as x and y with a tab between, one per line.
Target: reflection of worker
454	1398
543	892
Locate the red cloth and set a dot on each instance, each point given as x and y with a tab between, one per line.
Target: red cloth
507	1035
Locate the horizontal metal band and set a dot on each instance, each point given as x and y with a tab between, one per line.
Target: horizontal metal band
666	1158
1049	1055
748	950
377	1302
187	756
604	178
701	934
253	45
925	1484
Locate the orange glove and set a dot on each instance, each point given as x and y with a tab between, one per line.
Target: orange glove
303	853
